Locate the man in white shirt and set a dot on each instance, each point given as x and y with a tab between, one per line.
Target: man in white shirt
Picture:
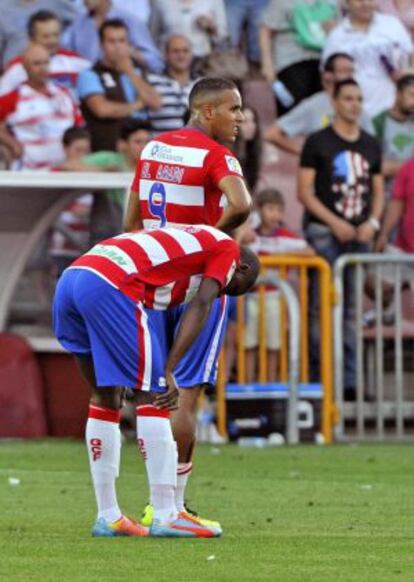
381	47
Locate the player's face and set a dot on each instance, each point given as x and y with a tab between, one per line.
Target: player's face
348	104
48	35
227	116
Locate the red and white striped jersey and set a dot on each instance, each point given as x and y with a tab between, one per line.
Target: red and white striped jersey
177	179
163	267
64	68
38	121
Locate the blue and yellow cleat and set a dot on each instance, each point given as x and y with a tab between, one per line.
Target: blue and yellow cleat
148	515
183	526
123	527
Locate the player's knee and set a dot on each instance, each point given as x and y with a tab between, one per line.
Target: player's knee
108	397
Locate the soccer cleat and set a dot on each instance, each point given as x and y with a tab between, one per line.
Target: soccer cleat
124	526
148	514
207	522
184	526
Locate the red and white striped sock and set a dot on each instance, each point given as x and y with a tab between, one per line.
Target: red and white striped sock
159	451
103	441
183	473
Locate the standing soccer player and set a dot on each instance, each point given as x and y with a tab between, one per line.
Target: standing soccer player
188	177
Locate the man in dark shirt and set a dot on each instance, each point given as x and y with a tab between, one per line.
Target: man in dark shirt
113	89
342	190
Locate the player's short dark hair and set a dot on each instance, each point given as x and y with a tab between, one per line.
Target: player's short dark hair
74	133
112	23
405	81
210	85
130	126
329	65
340	84
270	196
40	16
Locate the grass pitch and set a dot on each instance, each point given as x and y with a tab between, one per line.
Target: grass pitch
306	513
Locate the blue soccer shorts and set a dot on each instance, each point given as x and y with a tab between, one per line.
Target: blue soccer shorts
199	364
90	317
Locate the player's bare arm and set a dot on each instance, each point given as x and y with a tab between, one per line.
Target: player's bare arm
132	220
239	203
190	327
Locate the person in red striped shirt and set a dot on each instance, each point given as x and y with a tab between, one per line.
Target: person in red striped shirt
106	312
34	117
188	176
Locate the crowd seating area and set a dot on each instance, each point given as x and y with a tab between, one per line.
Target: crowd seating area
105	76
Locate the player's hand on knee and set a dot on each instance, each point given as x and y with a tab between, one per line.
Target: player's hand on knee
169	399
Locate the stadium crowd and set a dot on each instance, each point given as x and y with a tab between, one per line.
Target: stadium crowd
86	84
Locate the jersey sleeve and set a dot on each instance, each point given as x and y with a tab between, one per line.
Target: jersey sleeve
8	104
222	262
135	181
221	163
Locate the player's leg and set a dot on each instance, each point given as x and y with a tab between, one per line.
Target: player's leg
197	369
156	442
81	307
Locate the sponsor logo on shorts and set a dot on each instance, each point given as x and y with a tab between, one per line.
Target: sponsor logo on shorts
96	448
233	165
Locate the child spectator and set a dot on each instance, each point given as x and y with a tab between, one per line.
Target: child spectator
270	238
70	237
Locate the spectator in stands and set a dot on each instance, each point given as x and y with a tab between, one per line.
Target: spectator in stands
113	89
315	112
44	28
288	64
249	147
34	116
341	188
381	47
204	23
70	236
244	15
395	129
401	9
14	19
108	207
271	237
83	35
173	86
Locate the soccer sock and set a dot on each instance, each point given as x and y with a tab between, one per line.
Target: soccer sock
159	451
103	440
183	473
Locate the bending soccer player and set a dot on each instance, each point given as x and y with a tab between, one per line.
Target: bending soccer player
106	311
188	177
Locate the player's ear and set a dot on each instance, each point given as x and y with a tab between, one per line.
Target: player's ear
208	111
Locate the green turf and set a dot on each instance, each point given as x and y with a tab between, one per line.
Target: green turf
291	514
